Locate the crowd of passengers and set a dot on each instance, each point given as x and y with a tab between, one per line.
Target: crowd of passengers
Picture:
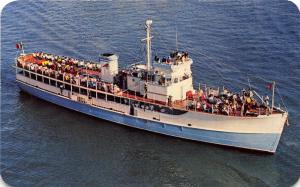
74	71
175	57
228	103
69	70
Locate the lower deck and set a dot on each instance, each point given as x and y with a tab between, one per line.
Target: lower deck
256	141
176	107
141	108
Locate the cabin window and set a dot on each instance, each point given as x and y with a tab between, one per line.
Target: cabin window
39	78
52	82
83	91
155	107
58	84
26	74
75	89
46	80
92	94
101	96
110	98
117	99
67	87
132	102
124	101
33	76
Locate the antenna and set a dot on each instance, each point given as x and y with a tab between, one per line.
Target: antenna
22	46
148	27
249	83
176	19
176	40
273	96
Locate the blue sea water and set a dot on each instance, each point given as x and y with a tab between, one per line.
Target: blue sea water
230	41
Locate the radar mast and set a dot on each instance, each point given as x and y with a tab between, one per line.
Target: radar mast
148	39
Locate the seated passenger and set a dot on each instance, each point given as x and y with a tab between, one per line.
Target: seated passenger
234	107
225	109
198	105
204	105
211	99
266	101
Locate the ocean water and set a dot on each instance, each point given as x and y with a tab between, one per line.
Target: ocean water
229	40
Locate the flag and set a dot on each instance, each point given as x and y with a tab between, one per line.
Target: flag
270	86
106	65
19	45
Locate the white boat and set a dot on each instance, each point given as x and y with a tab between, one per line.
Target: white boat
157	96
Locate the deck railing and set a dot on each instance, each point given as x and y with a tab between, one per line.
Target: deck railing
85	89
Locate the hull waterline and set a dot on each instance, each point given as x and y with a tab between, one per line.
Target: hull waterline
266	142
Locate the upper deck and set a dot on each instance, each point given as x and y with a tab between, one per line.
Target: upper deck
85	77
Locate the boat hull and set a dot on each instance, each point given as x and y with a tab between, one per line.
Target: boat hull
255	141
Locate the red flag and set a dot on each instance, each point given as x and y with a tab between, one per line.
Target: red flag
19	46
270	86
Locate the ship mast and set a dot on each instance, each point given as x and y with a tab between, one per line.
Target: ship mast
148	39
273	96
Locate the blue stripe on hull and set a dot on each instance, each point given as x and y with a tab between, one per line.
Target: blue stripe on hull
263	142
